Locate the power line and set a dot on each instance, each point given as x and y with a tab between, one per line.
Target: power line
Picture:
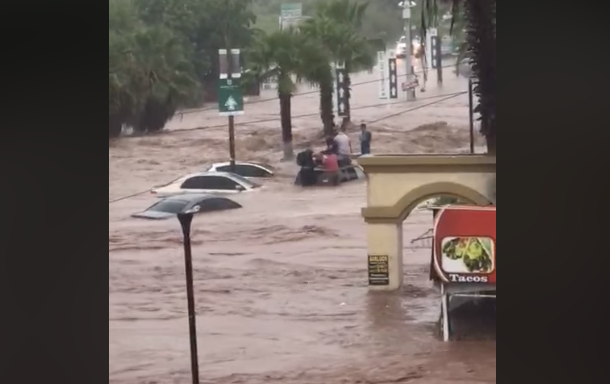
314	113
418	107
298	94
445	97
128	196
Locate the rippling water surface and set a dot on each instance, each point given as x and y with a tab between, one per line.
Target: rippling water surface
280	284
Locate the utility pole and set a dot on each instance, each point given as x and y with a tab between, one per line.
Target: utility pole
230	99
406	15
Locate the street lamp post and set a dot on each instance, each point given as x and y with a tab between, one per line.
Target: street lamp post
185	221
406	15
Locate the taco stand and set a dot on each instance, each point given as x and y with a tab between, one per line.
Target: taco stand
463	263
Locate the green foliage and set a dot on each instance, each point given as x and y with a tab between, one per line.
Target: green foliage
383	19
477	19
337	25
289	57
162	51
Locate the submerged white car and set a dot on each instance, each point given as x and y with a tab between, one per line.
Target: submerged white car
206	182
245	169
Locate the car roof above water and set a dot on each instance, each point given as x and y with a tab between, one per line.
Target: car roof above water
224	174
191	197
226	163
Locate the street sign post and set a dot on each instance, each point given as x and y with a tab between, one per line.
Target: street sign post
393	78
230	99
341	86
290	14
382	69
291	11
430	50
437	61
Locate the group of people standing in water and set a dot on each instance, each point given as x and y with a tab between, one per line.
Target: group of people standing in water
338	153
340	144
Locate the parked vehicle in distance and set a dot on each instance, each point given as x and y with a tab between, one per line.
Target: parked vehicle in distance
245	169
206	182
197	203
401	47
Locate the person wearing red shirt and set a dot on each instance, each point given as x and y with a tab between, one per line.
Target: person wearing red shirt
330	164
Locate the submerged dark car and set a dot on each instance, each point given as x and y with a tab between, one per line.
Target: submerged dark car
199	203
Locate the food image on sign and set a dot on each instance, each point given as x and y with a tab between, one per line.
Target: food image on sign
468	255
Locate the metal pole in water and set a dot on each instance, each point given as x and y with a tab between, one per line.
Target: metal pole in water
232	142
406	15
471	114
231	118
185	221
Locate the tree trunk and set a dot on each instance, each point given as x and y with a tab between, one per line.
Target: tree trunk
348	93
326	107
286	119
480	17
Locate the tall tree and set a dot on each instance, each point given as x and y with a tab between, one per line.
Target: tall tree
480	24
317	29
127	87
161	52
164	62
337	25
289	57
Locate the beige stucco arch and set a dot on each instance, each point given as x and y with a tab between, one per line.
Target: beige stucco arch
398	183
403	207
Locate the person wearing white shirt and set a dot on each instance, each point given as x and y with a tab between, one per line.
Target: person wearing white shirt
344	146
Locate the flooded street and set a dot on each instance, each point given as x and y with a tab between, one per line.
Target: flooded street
281	284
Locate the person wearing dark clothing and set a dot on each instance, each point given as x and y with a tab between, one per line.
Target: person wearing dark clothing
331	146
365	140
307	174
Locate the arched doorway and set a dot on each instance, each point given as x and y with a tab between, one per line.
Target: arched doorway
397	184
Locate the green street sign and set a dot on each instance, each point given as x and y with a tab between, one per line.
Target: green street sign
291	11
230	99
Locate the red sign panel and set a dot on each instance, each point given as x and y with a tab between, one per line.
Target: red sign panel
465	244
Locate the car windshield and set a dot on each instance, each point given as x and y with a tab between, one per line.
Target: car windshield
170	183
244	181
168	206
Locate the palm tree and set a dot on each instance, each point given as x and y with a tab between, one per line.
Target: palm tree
126	89
149	77
289	57
150	71
162	60
480	24
336	25
347	12
317	29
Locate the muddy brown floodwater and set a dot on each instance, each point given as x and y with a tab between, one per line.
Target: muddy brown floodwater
281	284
